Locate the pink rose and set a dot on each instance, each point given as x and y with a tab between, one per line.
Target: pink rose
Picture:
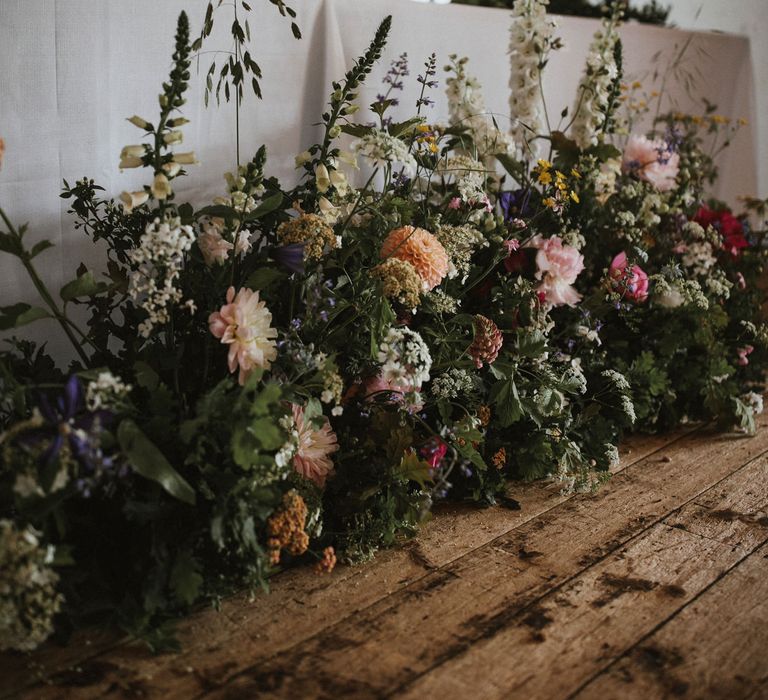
652	161
632	282
558	267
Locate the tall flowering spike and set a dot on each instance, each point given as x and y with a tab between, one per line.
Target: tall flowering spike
467	109
487	343
594	98
530	41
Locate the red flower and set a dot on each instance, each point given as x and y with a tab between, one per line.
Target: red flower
730	228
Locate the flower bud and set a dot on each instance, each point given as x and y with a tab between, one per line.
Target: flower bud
322	180
130	200
161	187
185	158
130	162
171	169
141	123
172	137
334	131
178	121
133	151
302	159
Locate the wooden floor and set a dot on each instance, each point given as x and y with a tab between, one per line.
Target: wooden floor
655	587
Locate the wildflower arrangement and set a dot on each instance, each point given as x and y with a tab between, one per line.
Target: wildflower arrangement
300	372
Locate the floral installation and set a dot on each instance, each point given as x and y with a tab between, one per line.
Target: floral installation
300	372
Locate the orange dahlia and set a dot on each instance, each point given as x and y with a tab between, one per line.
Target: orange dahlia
420	248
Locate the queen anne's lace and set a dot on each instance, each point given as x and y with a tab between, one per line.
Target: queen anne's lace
381	147
405	358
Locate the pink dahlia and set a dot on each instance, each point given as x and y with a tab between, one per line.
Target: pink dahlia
652	161
420	248
312	458
243	324
632	282
558	267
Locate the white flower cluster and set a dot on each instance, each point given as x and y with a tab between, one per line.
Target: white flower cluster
453	383
530	38
595	87
467	109
590	334
28	596
605	180
285	454
380	147
107	391
617	379
239	197
405	358
443	303
699	257
718	283
158	260
754	401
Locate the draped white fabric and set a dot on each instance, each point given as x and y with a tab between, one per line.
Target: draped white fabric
72	71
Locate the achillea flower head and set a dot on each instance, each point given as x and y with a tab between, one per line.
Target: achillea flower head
311	231
243	323
652	161
500	458
399	281
28	596
487	342
327	563
286	528
421	249
315	445
460	243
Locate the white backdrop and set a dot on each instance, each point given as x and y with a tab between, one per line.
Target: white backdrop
72	71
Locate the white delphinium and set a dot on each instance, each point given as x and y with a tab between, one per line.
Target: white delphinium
28	597
405	358
158	261
382	148
106	391
467	109
593	95
530	40
469	175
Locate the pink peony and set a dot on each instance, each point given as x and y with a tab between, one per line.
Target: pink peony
652	161
312	458
243	324
558	267
743	354
633	283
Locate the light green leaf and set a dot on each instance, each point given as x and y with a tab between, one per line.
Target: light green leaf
147	460
20	315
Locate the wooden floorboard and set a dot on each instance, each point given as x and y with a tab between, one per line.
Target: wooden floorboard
548	601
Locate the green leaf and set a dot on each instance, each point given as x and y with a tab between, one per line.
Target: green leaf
267	432
19	315
404	127
186	580
265	277
149	462
84	286
39	248
218	210
11	244
411	468
507	401
356	130
267	206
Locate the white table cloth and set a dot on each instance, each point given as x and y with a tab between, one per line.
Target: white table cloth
72	71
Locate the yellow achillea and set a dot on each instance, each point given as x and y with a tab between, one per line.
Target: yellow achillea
327	563
500	458
286	528
399	281
312	231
